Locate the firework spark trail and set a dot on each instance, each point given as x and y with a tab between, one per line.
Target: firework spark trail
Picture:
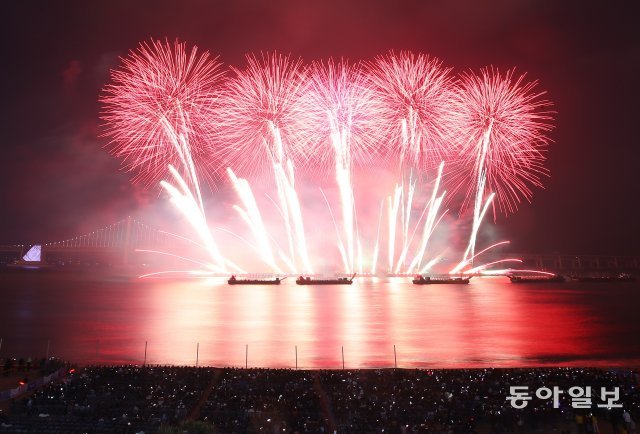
255	248
429	223
416	92
343	178
463	264
437	258
478	209
341	249
251	215
197	273
431	208
503	126
188	240
360	259
181	146
339	110
184	258
430	264
478	216
410	241
429	227
258	108
406	241
406	213
394	204
230	265
482	267
190	206
187	204
507	271
376	249
286	180
290	208
284	183
360	255
244	240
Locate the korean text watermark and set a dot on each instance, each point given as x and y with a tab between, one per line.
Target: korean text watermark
581	397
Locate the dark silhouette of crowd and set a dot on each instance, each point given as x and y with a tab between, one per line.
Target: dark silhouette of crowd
264	400
123	399
27	366
134	399
469	401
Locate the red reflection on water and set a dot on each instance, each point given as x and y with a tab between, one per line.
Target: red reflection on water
489	322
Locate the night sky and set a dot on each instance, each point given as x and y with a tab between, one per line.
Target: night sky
57	179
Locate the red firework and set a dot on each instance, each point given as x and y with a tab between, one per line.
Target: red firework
257	112
508	121
339	114
161	93
417	96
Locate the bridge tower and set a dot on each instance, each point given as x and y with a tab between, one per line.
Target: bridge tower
126	245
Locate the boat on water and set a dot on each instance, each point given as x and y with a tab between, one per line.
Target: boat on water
537	279
429	280
302	280
605	278
233	280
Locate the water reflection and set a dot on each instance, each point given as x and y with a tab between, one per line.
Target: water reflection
489	322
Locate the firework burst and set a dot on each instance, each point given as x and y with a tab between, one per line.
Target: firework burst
418	100
162	94
158	114
257	113
168	114
339	116
417	96
503	124
502	128
256	127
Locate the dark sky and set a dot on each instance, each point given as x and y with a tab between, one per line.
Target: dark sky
57	179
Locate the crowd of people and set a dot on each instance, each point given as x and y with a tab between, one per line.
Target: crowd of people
474	400
122	399
27	366
264	400
134	399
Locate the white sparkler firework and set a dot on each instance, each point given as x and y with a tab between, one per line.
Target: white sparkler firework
276	113
434	206
190	205
338	110
502	130
258	106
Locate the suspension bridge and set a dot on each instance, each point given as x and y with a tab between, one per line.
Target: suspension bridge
117	242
